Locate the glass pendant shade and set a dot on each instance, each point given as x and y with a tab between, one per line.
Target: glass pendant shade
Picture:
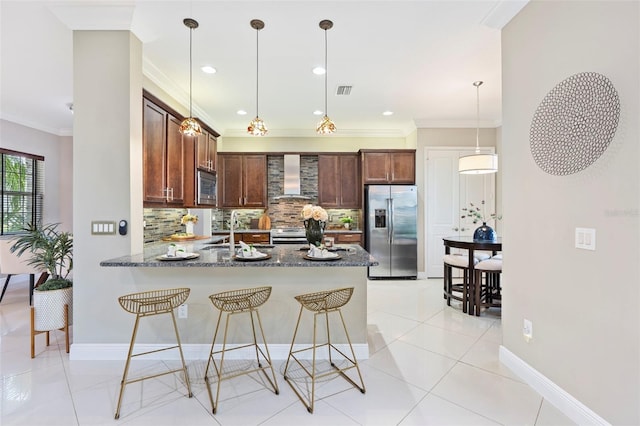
478	164
326	126
190	126
257	127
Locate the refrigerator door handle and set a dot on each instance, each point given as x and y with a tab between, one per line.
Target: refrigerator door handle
391	215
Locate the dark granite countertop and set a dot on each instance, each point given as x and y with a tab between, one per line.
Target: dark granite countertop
284	255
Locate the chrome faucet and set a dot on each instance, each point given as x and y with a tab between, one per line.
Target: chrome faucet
232	224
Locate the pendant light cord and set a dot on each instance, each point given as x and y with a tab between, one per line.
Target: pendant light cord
477	84
326	71
190	71
257	70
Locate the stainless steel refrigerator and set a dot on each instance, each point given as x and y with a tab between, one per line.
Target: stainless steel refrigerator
391	215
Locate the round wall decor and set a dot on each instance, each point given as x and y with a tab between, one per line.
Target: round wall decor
574	124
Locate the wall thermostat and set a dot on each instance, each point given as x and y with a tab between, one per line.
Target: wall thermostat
122	227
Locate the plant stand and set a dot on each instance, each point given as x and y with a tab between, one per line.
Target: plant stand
52	310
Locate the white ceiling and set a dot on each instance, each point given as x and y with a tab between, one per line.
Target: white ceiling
415	58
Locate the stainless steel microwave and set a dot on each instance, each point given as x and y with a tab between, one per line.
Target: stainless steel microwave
207	186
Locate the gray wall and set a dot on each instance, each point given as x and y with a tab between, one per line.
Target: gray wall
584	304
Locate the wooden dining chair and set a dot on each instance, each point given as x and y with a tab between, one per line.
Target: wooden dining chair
11	264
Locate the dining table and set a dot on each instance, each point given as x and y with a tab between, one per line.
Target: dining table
471	245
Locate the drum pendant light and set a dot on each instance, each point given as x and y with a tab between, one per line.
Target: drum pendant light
257	126
478	163
326	126
190	126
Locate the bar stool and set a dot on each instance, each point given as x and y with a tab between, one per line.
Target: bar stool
458	291
488	291
147	304
244	301
322	303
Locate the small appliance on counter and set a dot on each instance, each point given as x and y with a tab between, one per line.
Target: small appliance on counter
391	214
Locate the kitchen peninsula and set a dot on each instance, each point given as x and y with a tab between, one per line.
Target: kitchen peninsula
215	269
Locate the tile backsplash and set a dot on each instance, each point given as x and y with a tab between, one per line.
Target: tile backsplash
283	213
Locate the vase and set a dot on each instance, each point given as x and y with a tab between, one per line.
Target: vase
485	233
49	308
314	231
189	226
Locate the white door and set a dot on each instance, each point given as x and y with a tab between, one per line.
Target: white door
447	193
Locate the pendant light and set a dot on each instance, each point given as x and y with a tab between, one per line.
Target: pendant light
326	126
257	126
478	163
190	126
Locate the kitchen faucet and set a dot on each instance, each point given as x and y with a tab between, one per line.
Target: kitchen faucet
232	223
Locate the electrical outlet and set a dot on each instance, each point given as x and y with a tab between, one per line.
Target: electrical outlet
527	330
183	311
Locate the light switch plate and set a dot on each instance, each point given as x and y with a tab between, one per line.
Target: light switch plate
103	227
586	238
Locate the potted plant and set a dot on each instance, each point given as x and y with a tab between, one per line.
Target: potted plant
51	250
347	221
477	214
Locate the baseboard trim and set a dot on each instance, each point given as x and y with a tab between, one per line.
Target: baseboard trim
118	352
563	401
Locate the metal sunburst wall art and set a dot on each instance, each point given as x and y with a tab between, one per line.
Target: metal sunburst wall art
574	124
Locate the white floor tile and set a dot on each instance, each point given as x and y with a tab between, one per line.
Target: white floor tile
493	396
551	416
433	410
439	340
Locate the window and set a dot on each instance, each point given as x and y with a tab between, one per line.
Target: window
22	179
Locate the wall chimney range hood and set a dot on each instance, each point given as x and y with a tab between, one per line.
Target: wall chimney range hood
292	179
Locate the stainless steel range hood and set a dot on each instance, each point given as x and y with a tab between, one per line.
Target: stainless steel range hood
292	179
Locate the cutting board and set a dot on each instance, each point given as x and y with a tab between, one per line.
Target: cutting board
264	222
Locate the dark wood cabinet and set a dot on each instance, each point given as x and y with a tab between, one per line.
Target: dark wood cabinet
242	180
206	151
388	167
338	181
255	237
163	156
345	237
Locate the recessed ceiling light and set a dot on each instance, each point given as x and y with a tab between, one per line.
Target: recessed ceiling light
242	112
387	113
209	69
317	112
319	71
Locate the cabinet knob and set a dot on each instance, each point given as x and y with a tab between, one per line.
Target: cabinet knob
455	229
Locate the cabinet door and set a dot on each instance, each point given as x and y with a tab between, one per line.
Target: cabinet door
202	152
255	181
328	181
212	151
175	161
154	153
257	237
375	167
350	188
402	167
230	180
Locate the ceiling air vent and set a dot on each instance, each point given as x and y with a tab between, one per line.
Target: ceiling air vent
344	90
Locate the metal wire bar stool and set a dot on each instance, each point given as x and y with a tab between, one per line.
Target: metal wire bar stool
322	303
235	302
146	304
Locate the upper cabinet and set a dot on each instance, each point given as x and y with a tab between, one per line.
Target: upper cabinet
242	180
206	151
163	156
170	160
388	166
338	181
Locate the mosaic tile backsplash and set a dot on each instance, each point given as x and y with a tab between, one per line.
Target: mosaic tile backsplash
283	213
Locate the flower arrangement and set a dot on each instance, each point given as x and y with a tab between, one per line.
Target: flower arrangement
310	211
189	218
476	214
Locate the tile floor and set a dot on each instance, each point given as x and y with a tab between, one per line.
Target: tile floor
429	365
